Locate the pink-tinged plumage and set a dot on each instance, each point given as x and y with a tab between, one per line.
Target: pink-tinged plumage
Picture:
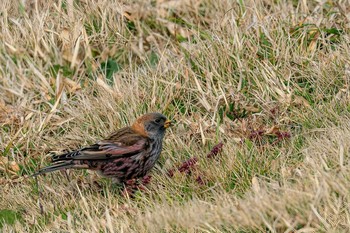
129	153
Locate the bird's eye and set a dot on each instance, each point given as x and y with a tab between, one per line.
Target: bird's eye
157	120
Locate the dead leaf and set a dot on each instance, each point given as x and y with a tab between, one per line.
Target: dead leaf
172	4
251	108
285	98
255	185
176	29
13	166
9	114
244	125
100	81
3	160
273	130
237	140
135	12
71	85
299	100
65	36
313	43
2	181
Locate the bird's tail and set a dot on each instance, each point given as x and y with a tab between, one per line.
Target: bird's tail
55	167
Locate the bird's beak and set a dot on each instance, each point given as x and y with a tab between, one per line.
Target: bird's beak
167	123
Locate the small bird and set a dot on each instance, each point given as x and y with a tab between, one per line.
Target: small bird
127	154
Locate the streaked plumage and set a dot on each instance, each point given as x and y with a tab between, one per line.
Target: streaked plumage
129	153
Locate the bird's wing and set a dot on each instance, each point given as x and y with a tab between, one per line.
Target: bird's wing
124	142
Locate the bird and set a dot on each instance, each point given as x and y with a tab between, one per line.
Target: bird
128	154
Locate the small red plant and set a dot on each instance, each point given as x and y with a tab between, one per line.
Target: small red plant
188	165
256	134
215	151
282	135
146	179
185	167
200	180
170	172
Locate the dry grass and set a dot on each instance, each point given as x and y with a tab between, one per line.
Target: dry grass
247	73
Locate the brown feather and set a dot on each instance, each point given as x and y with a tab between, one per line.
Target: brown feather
139	128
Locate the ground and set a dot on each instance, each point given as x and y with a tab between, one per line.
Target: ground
258	90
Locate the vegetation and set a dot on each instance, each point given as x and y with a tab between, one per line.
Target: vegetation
259	91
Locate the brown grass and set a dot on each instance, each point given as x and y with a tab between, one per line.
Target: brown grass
238	72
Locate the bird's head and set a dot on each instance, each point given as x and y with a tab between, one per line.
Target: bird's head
152	125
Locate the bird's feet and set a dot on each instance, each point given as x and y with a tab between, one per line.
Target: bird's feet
132	185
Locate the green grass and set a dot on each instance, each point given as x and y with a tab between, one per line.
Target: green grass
8	217
238	72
